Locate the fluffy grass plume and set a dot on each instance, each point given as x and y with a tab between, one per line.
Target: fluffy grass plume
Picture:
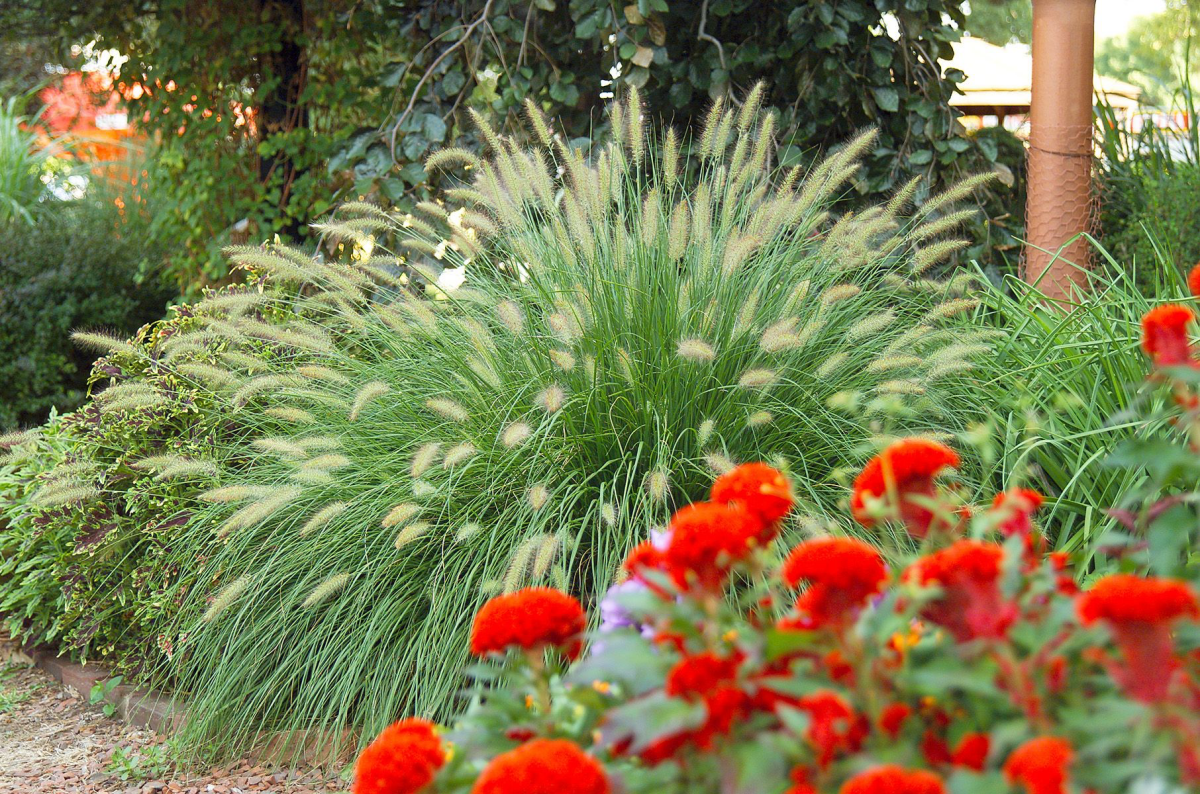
604	341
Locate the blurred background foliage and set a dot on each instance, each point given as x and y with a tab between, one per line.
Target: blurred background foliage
263	114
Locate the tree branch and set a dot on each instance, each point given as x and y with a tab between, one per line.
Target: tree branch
412	101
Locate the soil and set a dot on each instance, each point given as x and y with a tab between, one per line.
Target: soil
53	741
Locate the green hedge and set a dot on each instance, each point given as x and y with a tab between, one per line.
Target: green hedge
76	267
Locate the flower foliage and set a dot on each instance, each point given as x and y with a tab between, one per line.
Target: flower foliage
977	669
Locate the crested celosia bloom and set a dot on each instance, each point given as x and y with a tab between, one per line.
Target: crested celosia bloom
892	779
1194	281
1040	765
697	675
1165	334
1139	611
1014	510
842	573
764	492
893	717
402	760
643	557
972	750
543	766
529	619
971	605
707	539
902	471
833	725
710	679
801	777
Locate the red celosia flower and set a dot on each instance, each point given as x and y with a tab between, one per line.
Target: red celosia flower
1140	611
543	766
711	679
706	541
402	760
801	781
642	558
893	717
1164	334
838	667
833	726
1015	509
1040	765
902	471
892	779
1194	281
971	751
697	675
724	705
529	619
764	492
842	574
934	748
971	605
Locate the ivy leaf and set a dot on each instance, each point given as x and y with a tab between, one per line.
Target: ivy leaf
453	82
920	157
434	128
413	173
887	99
989	148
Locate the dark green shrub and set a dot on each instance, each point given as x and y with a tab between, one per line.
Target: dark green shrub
75	268
95	521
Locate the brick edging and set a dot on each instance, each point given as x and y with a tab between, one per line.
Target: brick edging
158	712
141	708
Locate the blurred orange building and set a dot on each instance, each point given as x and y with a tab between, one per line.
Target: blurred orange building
87	107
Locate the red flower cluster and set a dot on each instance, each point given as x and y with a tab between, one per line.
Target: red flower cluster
1015	509
762	491
1040	765
892	779
698	675
529	619
1165	335
543	766
707	539
842	573
833	726
971	605
1140	611
402	760
898	474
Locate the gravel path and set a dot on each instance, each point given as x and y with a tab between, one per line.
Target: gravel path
53	741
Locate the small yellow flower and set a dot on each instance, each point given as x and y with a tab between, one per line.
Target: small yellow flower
529	702
730	636
603	687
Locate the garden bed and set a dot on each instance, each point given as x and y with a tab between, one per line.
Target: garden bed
54	741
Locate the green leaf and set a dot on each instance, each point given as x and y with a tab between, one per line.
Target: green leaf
434	128
920	157
1168	537
887	99
622	657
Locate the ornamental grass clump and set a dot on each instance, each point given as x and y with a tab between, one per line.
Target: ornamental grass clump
970	666
629	325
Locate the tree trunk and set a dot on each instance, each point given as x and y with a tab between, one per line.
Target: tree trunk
280	106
